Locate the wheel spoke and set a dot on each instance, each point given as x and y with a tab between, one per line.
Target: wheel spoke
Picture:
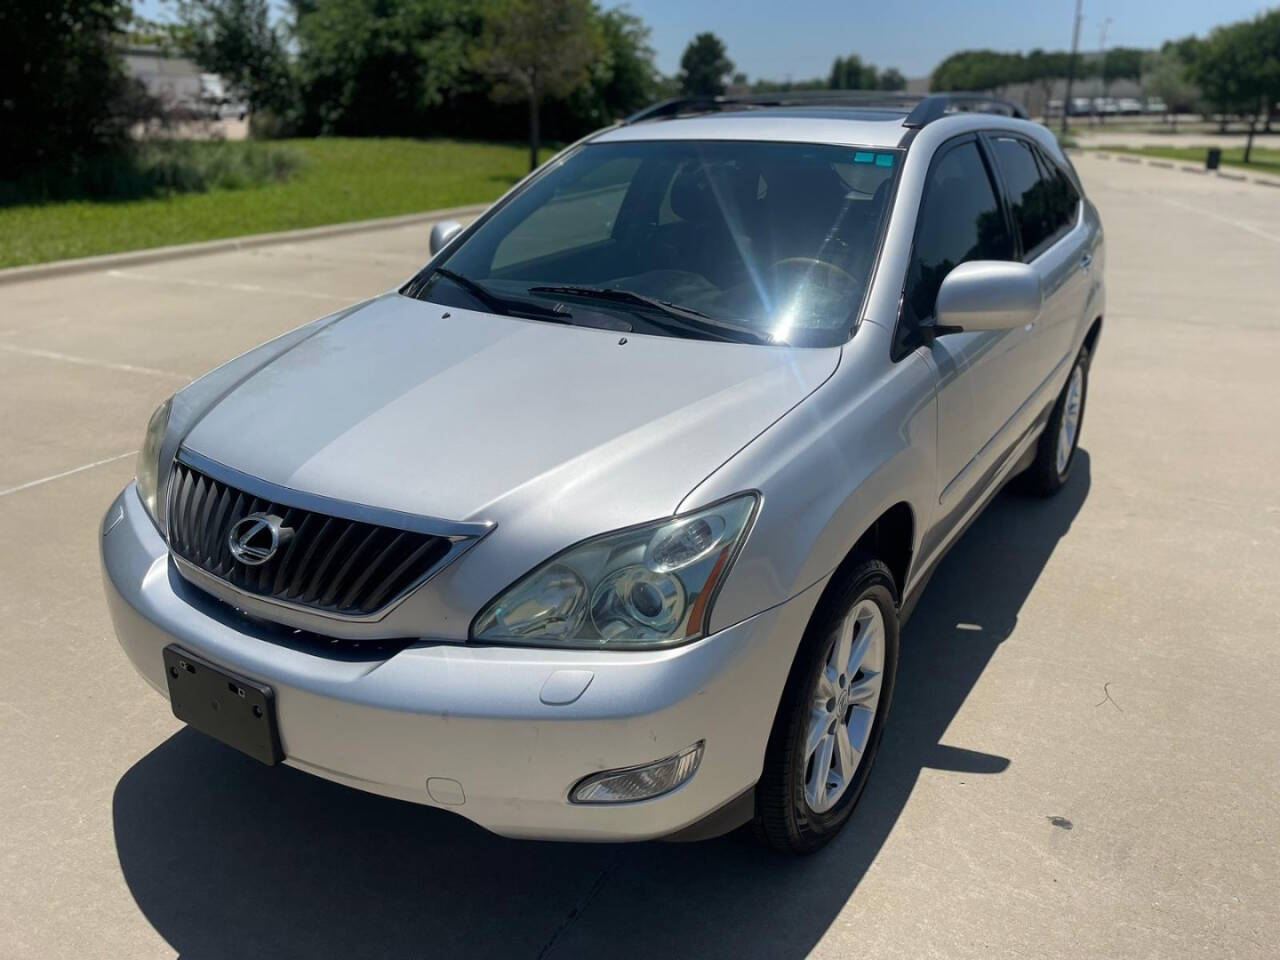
822	772
819	721
868	634
859	727
844	643
866	690
846	756
827	686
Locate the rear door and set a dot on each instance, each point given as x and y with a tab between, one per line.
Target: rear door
1045	207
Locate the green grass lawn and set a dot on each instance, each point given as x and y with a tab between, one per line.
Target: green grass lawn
1261	159
340	180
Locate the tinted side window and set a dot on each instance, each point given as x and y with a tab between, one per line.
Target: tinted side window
1028	191
1064	201
960	220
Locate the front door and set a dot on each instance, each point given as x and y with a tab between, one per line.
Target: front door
961	219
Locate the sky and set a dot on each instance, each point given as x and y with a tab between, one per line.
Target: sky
800	38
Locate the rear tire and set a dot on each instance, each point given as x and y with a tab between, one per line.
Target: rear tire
1056	449
827	731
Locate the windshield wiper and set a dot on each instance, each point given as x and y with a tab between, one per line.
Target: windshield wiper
481	293
689	318
503	305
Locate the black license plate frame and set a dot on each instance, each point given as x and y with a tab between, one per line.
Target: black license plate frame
230	708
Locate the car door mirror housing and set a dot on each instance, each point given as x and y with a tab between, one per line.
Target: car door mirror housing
988	295
442	233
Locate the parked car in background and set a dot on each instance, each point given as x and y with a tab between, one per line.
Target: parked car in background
605	524
1128	105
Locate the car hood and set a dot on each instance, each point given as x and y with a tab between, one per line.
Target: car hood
464	415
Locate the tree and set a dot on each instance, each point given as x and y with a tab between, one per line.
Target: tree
1165	75
892	79
64	94
391	67
623	79
410	68
1238	69
532	49
978	70
1266	37
850	73
235	39
632	78
1044	69
1228	73
1122	63
704	67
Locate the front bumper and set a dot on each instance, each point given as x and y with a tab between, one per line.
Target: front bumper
475	716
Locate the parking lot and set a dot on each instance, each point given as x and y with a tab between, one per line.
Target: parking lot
1084	754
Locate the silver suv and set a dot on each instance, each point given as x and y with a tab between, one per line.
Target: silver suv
605	524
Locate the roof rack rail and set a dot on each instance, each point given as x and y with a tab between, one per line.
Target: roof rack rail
793	98
937	105
919	109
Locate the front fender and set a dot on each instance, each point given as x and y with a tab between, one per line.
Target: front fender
865	440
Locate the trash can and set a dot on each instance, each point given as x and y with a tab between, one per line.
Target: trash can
1212	158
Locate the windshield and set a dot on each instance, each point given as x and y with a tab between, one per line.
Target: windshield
757	242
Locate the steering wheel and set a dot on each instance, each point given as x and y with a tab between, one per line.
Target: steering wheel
813	263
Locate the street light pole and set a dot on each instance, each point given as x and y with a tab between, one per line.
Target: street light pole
1102	66
1071	67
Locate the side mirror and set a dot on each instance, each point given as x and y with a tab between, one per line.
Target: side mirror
442	233
988	295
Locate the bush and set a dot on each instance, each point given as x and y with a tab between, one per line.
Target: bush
157	168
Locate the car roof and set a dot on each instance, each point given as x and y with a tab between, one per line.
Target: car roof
863	128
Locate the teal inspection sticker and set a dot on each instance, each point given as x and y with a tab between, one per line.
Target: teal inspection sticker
879	159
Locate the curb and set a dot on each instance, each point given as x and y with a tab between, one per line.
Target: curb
60	268
1167	165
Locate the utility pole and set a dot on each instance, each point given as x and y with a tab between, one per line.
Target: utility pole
1102	66
1071	67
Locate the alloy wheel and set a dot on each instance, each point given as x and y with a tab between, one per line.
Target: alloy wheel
1070	419
843	710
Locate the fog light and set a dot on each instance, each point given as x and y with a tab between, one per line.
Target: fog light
639	783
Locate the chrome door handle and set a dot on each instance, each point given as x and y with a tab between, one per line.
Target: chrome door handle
1086	261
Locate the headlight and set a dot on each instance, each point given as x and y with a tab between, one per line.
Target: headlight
148	470
647	586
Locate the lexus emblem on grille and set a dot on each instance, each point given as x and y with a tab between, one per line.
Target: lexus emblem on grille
255	539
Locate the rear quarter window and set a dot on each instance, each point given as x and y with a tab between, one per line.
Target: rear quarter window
1041	196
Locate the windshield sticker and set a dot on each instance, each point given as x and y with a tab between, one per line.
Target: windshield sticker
863	157
884	159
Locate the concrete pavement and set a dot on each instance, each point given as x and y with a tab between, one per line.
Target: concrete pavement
1084	754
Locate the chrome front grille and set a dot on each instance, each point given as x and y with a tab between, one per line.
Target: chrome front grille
331	564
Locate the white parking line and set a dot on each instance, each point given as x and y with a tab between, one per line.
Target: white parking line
89	362
66	473
243	287
1275	238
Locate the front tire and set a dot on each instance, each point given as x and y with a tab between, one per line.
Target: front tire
827	731
1056	450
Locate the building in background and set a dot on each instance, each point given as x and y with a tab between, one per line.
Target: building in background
181	87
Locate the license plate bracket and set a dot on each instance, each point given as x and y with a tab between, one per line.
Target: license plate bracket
235	710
